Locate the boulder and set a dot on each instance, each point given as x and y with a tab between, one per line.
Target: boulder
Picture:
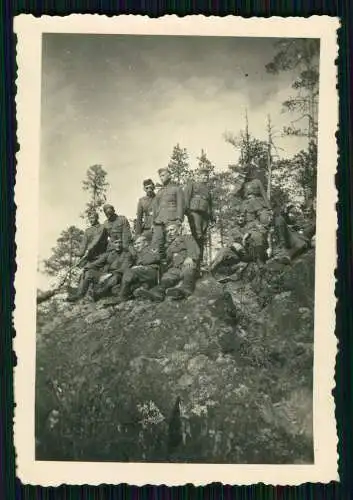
222	377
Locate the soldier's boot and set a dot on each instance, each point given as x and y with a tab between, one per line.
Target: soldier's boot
156	294
185	289
138	293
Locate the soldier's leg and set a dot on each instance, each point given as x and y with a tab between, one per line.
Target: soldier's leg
135	277
169	279
224	259
86	284
158	239
188	281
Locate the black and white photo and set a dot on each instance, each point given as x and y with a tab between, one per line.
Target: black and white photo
176	250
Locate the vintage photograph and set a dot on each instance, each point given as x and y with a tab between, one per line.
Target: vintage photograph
176	248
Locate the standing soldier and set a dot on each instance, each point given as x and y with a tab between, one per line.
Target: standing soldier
145	210
117	227
168	208
93	245
198	208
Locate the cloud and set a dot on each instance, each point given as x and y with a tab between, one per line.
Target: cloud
125	103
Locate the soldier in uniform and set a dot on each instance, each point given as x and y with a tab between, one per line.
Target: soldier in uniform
144	272
145	209
168	208
93	245
236	250
179	279
198	208
111	267
292	233
257	211
117	226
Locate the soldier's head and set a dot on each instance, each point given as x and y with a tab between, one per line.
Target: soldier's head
172	231
109	211
291	213
148	186
240	218
204	175
164	175
93	217
116	245
140	243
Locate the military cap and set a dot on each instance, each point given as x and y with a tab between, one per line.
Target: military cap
203	169
164	169
148	182
105	207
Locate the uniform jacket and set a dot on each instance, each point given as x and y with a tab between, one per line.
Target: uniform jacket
182	247
198	198
94	242
148	257
144	214
119	228
113	261
169	204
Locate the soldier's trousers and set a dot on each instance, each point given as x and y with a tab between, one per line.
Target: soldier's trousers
108	285
289	239
224	261
158	238
198	222
137	276
174	275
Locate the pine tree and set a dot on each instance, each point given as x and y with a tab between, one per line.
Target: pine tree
179	166
300	56
204	162
63	256
96	185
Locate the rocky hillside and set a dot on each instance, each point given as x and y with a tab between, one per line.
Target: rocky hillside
225	376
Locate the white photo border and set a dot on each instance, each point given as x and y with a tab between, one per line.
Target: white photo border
29	34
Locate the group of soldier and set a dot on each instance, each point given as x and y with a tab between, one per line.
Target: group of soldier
161	261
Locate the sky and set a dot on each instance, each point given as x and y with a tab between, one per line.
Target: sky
125	101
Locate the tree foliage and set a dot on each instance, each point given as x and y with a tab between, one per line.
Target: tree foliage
96	185
301	56
63	254
179	166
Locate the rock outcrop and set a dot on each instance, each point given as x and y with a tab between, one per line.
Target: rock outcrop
224	376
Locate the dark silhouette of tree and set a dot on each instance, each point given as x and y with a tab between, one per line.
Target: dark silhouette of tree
179	166
62	259
96	185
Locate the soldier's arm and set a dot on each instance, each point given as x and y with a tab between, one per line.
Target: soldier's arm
180	204
126	234
99	262
100	238
83	246
151	257
139	217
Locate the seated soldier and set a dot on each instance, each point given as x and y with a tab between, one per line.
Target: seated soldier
290	236
144	272
183	255
93	246
235	251
110	268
